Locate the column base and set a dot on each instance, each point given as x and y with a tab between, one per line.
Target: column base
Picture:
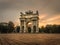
24	31
20	31
31	31
37	31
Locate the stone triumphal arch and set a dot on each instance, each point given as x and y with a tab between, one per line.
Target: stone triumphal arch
29	22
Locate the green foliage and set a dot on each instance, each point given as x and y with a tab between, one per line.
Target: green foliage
42	29
3	28
6	27
50	29
10	26
17	29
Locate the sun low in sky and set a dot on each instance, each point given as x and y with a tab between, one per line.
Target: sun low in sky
49	10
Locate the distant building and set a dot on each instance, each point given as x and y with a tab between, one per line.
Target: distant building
29	22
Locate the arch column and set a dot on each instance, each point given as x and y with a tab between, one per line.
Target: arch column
35	23
32	27
25	28
37	29
20	26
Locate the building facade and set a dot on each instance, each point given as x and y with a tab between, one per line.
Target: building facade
29	22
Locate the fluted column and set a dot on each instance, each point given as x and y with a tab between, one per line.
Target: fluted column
32	27
37	29
20	27
25	27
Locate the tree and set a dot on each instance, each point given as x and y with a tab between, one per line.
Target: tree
18	29
10	26
48	28
3	27
42	29
39	30
58	28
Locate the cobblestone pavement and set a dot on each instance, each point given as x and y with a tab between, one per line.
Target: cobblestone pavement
29	39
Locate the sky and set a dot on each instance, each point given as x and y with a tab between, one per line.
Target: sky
49	10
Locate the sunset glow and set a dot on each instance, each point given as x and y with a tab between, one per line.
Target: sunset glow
49	10
51	20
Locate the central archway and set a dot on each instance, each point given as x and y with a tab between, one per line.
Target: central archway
29	29
29	24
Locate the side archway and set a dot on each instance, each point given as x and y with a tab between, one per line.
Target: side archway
34	29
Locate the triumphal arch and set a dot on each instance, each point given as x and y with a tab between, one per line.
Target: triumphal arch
29	22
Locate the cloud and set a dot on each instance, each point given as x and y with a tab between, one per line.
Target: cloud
52	20
44	6
49	10
52	6
4	5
